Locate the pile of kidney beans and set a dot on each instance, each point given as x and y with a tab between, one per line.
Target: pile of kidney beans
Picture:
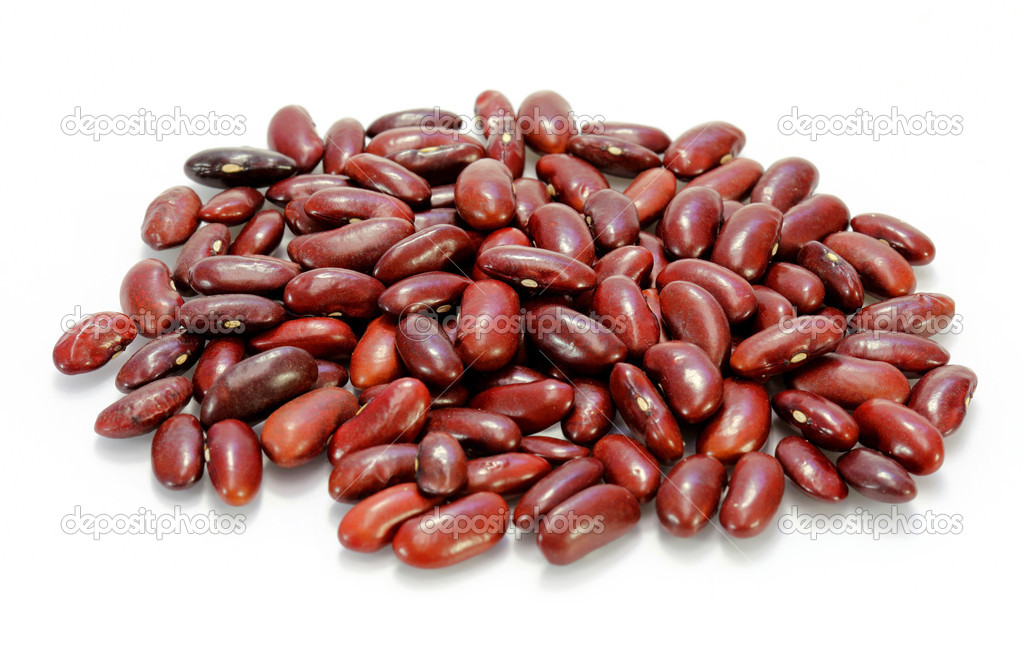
472	308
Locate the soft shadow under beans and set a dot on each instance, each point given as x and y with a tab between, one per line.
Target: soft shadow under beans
128	450
295	481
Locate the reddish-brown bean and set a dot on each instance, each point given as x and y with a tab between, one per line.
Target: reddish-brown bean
365	472
692	314
231	207
628	464
210	240
688	497
165	356
908	241
440	464
613	219
438	164
567	533
843	287
912	354
902	434
565	481
505	473
808	467
92	342
800	286
785	347
755	493
233	274
142	410
171	218
692	384
876	476
943	395
613	155
252	388
748	240
410	137
849	381
645	412
691	222
288	190
772	309
177	452
570	179
453	533
646	136
813	219
477	431
426	351
339	206
883	271
344	139
703	147
573	340
532	406
553	449
438	248
533	268
740	426
556	227
530	194
235	461
230	314
323	337
292	132
822	422
730	289
388	177
297	432
651	192
732	180
330	374
923	314
372	524
260	235
375	360
397	414
149	298
786	183
547	122
218	356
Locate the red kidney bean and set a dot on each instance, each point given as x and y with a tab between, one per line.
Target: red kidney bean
553	449
849	381
292	133
786	183
843	287
433	290
567	533
260	235
691	222
367	471
732	180
372	524
632	261
323	337
730	289
703	147
822	422
165	356
492	107
426	351
628	464
477	431
417	117
425	219
755	493
344	139
772	309
923	314
375	360
688	498
902	434
218	356
530	195
333	292
300	186
208	241
142	410
876	476
542	269
410	137
908	241
815	219
612	155
488	332
912	354
613	219
692	384
532	406
484	195
440	464
619	303
785	347
436	248
692	314
505	473
573	340
943	395
230	314
171	218
556	227
748	240
297	432
438	164
259	275
386	176
654	245
356	246
570	179
808	467
231	207
231	167
506	145
547	122
454	533
397	414
177	452
330	375
883	271
148	296
92	342
267	380
740	426
651	192
647	136
340	206
235	461
800	286
565	481
645	412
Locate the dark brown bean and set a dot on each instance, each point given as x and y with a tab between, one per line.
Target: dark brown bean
171	218
645	412
297	432
344	138
688	497
365	472
849	381
210	240
426	351
755	493
92	342
883	271
429	291
785	347
908	241
815	218
810	469
477	431
149	298
177	452
397	414
822	422
912	354
786	183
505	473
555	488
612	155
703	147
902	434
532	406
142	410
571	180
567	533
456	532
943	395
692	384
740	426
166	356
231	167
235	461
628	464
252	388
876	476
843	287
613	219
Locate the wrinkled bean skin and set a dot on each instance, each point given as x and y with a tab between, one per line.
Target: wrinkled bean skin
800	286
907	240
267	380
297	432
613	219
902	434
822	422
913	355
414	137
260	236
372	524
478	432
177	452
612	155
430	291
772	309
692	384
218	356
740	426
748	240
330	375
815	218
730	289
235	461
645	412
691	222
505	473
692	314
208	241
689	496
876	476
333	292
438	165
550	121
344	139
171	218
808	467
93	342
388	177
649	137
554	450
488	333
572	180
555	488
323	337
628	464
375	360
365	472
618	299
533	268
426	351
165	356
231	207
755	493
883	271
357	246
556	227
562	543
943	395
434	544
786	183
148	297
530	195
440	464
258	275
703	148
732	180
230	314
300	186
849	381
922	314
573	340
292	133
339	206
532	406
397	414
651	192
438	248
231	167
785	347
843	287
142	410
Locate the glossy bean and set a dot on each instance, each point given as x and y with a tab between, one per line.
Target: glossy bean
907	240
217	356
479	432
570	180
732	180
688	497
427	118
923	314
165	356
703	147
646	136
339	206
440	464
691	222
772	309
397	414
613	155
333	292
231	167
815	218
755	493
231	207
260	236
438	248
613	219
532	406
810	470
230	314
259	275
748	241
555	488
645	412
176	454
842	283
530	195
692	314
882	270
619	303
786	183
92	342
375	360
901	433
143	410
651	191
912	354
548	122
740	426
210	240
344	139
330	374
876	476
254	387
297	432
785	347
292	133
943	395
556	227
357	246
323	337
388	177
171	218
300	186
628	464
365	472
800	286
532	268
148	296
426	351
730	289
563	540
505	473
849	382
456	532
372	524
438	165
553	449
573	340
488	328
414	137
234	461
692	384
822	422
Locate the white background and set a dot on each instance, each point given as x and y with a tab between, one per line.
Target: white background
73	212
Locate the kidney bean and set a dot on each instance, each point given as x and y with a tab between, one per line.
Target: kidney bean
504	236
292	133
786	183
908	241
755	493
532	406
148	296
645	412
505	473
388	177
487	337
177	452
785	347
218	356
542	269
740	426
357	246
434	217
454	533
748	240
688	498
691	222
506	145
297	432
922	314
209	241
300	186
800	286
267	380
436	248
142	410
414	137
368	471
171	218
372	524
772	309
344	139
808	467
556	227
849	381
340	206
692	314
333	292
260	235
323	337
374	359
612	155
876	476
231	207
547	122
553	449
565	481
842	283
573	340
231	167
620	304
902	434
92	342
654	245
613	219
426	351
235	461
628	464
692	384
530	195
230	314
632	261
943	395
567	532
912	354
732	180
649	137
397	414
654	302
259	275
484	195
570	179
492	108
330	375
477	431
883	271
651	191
730	289
822	422
440	464
438	164
815	219
433	291
165	356
703	148
426	118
